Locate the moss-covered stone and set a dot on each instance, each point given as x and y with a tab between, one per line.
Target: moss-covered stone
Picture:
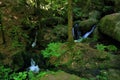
59	75
82	59
95	14
110	25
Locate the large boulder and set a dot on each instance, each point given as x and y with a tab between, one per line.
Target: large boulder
81	59
59	75
110	26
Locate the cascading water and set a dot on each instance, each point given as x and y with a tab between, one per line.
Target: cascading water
76	32
88	33
35	40
34	68
85	35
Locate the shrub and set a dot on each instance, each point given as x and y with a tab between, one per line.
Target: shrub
53	49
100	47
111	48
19	76
4	73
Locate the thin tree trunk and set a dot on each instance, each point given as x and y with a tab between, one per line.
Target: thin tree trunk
2	31
70	21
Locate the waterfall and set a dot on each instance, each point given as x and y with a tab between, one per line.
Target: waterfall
35	68
85	35
35	40
76	32
88	33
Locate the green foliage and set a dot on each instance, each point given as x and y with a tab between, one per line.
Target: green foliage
41	74
19	76
60	6
17	37
53	49
16	44
111	48
60	32
4	73
101	47
77	12
103	76
27	23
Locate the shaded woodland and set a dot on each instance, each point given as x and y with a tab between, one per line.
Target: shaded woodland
59	40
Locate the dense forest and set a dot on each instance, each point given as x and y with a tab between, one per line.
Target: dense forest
59	40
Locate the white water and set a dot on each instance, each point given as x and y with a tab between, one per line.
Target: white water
88	33
34	68
35	40
85	35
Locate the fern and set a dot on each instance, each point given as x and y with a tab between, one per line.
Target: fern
101	47
53	49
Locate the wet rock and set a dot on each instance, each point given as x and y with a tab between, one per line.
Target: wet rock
110	26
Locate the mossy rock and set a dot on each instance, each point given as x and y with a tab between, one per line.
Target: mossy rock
81	59
59	75
110	25
95	14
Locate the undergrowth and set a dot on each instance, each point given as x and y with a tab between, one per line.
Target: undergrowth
53	49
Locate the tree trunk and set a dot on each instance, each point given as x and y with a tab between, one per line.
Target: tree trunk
70	21
2	31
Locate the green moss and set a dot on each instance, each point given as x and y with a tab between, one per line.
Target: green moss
109	25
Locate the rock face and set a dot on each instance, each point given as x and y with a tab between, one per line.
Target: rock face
110	25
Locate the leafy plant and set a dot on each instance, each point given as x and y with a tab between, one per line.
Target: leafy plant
111	48
102	76
42	74
20	76
53	49
100	47
4	73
